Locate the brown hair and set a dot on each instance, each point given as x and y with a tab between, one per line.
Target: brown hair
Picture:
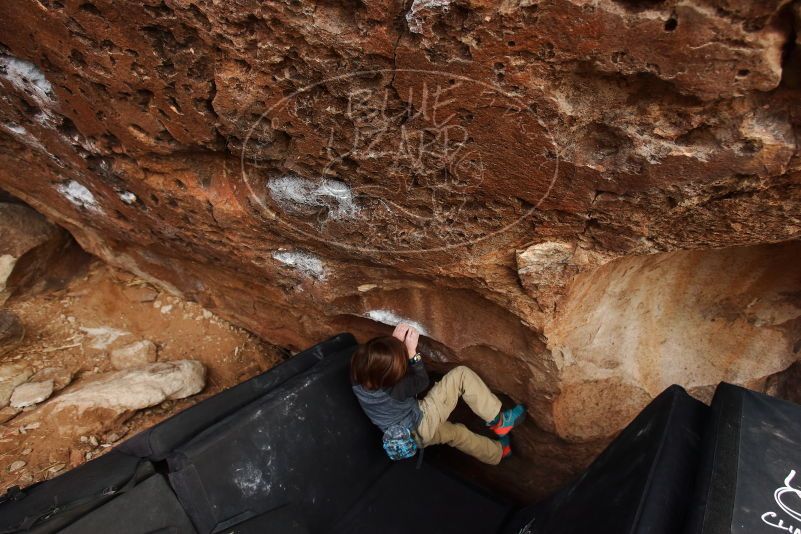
379	363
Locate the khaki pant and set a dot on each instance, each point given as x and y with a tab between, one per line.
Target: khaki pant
440	402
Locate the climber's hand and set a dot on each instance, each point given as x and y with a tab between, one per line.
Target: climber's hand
409	335
400	331
411	341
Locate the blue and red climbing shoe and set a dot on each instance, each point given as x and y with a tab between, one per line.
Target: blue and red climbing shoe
506	444
507	420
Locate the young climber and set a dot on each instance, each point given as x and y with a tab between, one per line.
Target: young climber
387	373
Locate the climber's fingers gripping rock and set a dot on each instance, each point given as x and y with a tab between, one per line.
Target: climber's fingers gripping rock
409	335
400	331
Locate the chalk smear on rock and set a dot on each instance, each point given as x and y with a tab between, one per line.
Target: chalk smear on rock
415	24
29	79
24	136
294	193
392	319
79	196
307	263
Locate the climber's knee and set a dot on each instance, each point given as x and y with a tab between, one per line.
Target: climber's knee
455	377
460	370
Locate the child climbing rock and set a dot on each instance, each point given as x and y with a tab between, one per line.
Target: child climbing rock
388	373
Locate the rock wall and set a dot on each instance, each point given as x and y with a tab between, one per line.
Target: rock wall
637	325
534	183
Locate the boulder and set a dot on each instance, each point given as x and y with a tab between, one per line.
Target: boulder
92	405
31	393
60	376
476	167
29	245
16	466
634	326
11	331
11	376
133	355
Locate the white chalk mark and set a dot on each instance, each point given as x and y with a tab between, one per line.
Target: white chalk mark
128	197
307	263
27	78
25	136
292	192
392	319
415	25
79	195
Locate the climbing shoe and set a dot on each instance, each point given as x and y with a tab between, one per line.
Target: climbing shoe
506	443
507	420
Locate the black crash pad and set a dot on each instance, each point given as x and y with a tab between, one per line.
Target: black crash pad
150	506
305	443
284	520
750	474
50	505
641	483
157	442
406	500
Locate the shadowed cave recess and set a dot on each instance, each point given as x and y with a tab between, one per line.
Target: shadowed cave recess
584	202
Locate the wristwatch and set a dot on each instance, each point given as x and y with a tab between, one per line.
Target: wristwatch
416	358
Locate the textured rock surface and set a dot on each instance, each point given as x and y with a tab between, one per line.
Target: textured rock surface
633	327
119	394
60	376
7	413
137	353
228	152
16	466
31	393
63	327
11	376
11	331
28	247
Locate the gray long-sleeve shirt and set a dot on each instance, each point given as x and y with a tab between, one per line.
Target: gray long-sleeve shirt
395	405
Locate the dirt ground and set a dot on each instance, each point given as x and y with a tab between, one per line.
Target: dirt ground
58	332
